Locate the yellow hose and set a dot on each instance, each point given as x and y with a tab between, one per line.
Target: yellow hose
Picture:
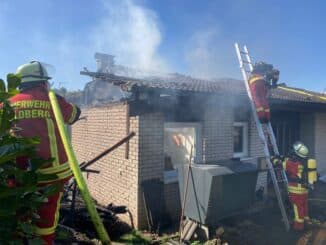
302	92
104	237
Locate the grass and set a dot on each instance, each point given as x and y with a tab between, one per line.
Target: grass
134	237
62	234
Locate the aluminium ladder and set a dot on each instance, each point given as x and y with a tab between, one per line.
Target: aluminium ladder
266	134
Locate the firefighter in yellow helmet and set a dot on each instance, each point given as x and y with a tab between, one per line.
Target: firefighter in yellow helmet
36	119
301	174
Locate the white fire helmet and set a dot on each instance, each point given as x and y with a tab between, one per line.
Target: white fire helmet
300	149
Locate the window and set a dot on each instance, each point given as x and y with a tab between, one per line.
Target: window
179	138
240	139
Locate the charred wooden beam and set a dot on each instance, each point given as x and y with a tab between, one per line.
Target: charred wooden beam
84	165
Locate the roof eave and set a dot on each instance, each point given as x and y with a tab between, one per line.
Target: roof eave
281	104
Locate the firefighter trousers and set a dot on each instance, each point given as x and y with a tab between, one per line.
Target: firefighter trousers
49	217
300	208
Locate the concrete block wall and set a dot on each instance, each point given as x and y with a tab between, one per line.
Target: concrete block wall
255	144
217	131
320	142
217	144
256	150
151	156
218	134
118	179
172	201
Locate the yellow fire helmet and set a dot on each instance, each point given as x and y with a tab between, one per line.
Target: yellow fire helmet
34	71
300	149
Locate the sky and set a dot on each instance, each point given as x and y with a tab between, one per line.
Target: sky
189	37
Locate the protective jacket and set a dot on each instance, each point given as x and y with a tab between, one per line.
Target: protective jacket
35	118
259	90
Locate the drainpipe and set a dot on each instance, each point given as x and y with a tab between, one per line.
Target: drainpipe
127	129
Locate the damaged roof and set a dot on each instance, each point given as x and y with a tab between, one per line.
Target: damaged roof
187	83
177	82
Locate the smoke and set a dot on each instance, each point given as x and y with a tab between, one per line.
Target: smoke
209	55
132	33
123	28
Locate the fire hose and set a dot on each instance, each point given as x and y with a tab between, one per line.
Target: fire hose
73	162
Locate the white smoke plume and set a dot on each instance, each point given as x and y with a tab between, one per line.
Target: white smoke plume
125	29
209	55
131	32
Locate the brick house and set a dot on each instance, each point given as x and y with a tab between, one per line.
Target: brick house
169	114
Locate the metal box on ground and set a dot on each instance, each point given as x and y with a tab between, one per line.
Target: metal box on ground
217	191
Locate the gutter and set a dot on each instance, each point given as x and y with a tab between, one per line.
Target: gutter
302	92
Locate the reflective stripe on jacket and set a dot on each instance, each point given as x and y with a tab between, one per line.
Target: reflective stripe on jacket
294	170
35	119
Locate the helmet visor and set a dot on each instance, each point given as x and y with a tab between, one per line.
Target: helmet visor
47	69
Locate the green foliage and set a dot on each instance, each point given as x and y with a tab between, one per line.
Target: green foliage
196	243
2	86
134	237
20	195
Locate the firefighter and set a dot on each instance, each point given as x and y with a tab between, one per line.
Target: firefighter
301	174
262	78
35	119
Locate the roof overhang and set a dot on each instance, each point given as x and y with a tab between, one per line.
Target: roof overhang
288	105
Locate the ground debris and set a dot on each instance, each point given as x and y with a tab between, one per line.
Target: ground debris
215	241
65	235
263	227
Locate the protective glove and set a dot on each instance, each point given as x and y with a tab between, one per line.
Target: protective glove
277	160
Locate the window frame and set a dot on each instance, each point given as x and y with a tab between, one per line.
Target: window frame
171	176
245	143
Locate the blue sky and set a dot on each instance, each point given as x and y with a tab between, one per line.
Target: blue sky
190	37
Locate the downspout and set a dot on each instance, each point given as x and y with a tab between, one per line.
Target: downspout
127	129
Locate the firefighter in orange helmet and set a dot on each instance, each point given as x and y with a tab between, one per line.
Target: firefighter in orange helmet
262	77
35	118
301	174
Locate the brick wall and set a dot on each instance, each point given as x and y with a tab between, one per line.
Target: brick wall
320	142
172	201
151	155
217	136
217	144
256	150
118	179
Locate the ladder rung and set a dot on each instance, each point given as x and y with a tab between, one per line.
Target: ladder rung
267	135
